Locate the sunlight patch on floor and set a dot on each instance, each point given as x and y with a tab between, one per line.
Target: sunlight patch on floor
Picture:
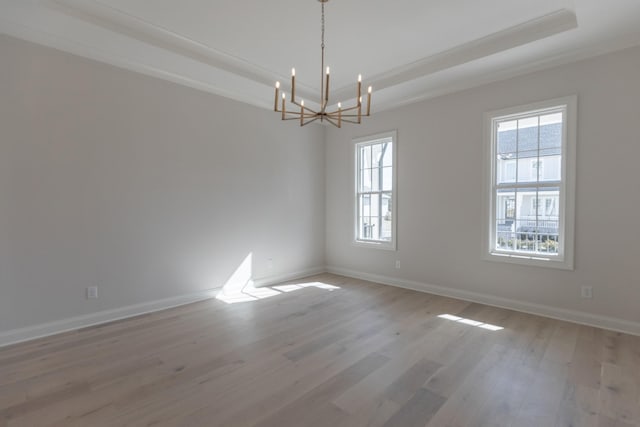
252	293
471	322
241	288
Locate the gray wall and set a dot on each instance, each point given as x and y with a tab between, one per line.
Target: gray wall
144	188
151	190
440	191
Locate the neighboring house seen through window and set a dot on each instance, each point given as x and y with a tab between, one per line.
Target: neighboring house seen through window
532	152
375	191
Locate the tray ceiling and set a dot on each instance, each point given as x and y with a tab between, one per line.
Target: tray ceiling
408	50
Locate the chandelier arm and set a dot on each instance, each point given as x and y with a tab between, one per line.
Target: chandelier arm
310	110
295	115
343	110
305	107
310	121
330	120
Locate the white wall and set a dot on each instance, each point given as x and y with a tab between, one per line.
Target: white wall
440	199
144	188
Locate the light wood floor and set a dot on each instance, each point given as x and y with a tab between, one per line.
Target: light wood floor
360	355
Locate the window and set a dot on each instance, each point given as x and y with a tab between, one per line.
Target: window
375	190
530	187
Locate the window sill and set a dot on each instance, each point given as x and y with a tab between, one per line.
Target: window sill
529	260
387	246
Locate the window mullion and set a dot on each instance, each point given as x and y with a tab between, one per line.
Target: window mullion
548	184
536	234
516	210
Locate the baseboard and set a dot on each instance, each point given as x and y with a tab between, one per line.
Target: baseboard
38	331
29	333
604	322
45	329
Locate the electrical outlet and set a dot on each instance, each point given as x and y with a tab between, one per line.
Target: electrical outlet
586	292
92	292
397	263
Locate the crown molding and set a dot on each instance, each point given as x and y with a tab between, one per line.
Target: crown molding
125	24
425	91
518	35
472	64
75	47
122	23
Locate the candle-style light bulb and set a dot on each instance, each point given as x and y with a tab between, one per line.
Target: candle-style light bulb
339	104
370	89
359	78
275	102
284	95
302	102
369	100
326	91
293	85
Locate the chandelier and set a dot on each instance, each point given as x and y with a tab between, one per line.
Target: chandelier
307	115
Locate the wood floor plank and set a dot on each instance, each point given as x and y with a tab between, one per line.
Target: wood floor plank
418	410
465	402
619	394
407	384
307	409
376	417
578	407
604	421
587	358
352	354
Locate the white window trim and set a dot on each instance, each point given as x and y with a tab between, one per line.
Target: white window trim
375	244
565	259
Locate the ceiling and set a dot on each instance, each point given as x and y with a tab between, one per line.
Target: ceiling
408	50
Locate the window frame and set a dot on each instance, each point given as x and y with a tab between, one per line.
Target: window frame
566	229
371	140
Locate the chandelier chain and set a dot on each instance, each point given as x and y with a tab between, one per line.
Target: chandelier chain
323	103
322	25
